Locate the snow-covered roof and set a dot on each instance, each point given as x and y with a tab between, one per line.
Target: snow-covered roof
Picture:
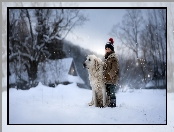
152	83
57	70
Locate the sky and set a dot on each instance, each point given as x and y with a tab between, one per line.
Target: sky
94	34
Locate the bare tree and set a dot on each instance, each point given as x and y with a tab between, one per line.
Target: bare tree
146	38
162	42
153	44
51	26
128	32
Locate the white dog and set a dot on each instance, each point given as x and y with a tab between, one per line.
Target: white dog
95	71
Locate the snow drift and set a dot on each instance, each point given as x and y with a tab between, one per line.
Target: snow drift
67	104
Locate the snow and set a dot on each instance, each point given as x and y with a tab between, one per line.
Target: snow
152	84
67	104
75	79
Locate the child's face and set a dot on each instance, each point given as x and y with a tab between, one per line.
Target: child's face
107	50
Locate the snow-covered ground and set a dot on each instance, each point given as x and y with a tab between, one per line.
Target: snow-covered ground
67	104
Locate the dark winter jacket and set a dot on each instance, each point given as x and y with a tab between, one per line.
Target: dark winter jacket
111	68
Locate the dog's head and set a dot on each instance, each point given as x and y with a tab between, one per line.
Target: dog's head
91	62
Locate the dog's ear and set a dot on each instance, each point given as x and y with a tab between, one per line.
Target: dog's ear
96	63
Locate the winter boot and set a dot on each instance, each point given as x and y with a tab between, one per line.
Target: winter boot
112	96
113	102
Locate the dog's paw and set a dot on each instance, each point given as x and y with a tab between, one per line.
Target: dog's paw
102	106
105	106
90	104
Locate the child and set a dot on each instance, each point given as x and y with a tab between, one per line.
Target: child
110	72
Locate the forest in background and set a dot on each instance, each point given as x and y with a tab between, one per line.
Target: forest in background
39	34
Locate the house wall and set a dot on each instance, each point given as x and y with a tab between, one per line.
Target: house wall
72	70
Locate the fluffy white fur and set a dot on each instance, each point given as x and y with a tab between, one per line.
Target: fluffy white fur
95	71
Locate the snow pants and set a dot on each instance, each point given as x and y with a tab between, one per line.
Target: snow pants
111	97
